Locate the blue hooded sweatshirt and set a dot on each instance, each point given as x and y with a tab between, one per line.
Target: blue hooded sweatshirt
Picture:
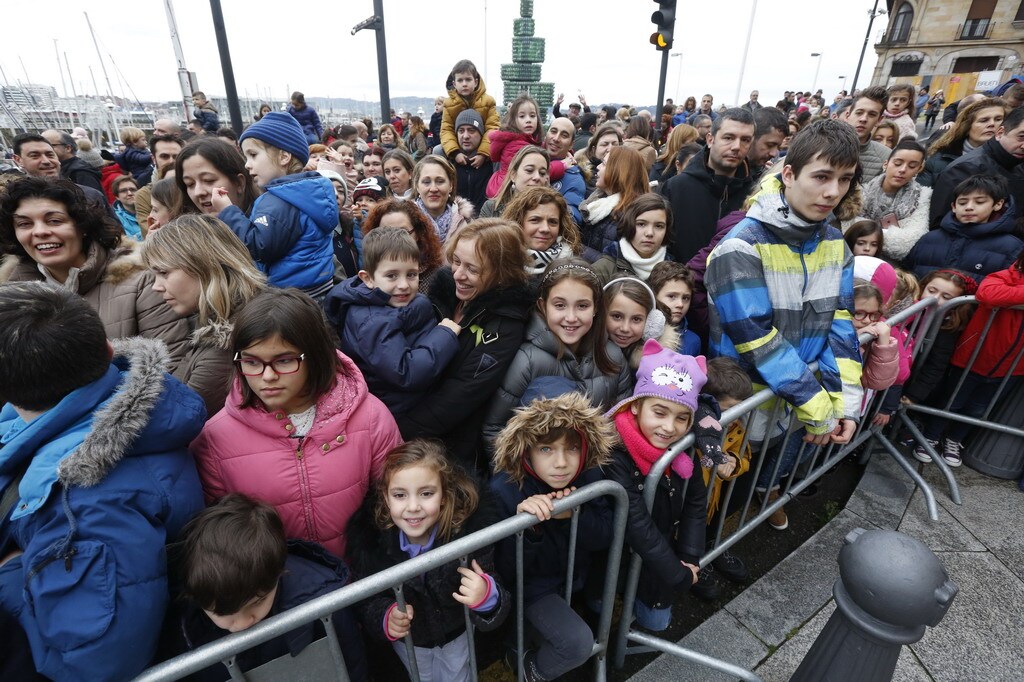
289	231
401	351
108	482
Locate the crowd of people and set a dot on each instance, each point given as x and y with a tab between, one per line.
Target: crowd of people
240	371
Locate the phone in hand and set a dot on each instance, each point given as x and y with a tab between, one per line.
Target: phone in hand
889	220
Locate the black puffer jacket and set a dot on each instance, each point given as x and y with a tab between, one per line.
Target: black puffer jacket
699	200
988	159
437	617
673	530
493	326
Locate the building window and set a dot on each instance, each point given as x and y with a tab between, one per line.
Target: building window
901	22
978	21
975	64
1020	13
906	67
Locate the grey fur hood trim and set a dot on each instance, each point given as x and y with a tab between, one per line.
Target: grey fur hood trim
214	334
117	425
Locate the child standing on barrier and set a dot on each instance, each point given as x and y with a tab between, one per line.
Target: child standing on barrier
1000	347
289	230
237	570
554	444
669	537
729	385
423	501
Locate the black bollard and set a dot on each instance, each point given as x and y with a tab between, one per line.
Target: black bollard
890	588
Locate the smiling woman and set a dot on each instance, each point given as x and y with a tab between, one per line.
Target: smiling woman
547	226
50	232
434	185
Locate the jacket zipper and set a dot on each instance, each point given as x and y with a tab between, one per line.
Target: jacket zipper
307	505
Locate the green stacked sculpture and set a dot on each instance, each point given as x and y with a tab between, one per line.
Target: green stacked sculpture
523	74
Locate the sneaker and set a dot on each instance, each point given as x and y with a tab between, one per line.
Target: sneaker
731	567
530	672
778	520
706	588
921	455
951	452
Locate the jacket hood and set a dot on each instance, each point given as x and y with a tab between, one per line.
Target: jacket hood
540	417
101	265
480	89
699	169
148	411
215	334
513	301
353	292
1005	222
312	194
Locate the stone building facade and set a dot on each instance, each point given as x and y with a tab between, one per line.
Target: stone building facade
959	46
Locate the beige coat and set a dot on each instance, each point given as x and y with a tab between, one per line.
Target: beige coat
646	149
208	368
120	289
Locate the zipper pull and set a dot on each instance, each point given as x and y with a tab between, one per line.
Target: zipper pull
67	559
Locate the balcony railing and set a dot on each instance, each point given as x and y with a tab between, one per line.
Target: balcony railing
895	36
975	29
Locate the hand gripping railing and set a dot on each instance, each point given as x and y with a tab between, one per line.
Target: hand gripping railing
224	650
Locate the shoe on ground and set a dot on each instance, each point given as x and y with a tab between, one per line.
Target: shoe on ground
921	455
809	491
778	520
707	587
951	452
732	567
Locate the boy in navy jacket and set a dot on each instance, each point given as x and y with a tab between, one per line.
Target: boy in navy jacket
289	231
386	327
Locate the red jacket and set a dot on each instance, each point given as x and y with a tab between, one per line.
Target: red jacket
1005	337
316	483
108	174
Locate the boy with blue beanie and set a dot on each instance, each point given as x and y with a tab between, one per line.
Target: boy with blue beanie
289	231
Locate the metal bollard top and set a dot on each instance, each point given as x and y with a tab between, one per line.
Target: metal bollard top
895	578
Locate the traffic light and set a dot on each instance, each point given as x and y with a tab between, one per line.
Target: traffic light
665	20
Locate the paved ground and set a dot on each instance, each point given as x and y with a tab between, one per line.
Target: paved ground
771	625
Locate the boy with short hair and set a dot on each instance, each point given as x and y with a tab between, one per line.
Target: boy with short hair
670	537
205	112
466	90
780	288
978	235
554	443
289	230
673	285
237	569
387	327
95	480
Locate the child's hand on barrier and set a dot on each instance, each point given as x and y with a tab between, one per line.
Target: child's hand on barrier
559	494
693	569
879	330
474	586
219	198
399	623
478	160
725	470
844	432
540	506
881	419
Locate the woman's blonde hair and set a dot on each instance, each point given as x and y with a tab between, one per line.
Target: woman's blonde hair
446	166
680	136
207	249
505	192
962	127
501	245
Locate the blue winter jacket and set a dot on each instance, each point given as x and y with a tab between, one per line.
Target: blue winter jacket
400	351
978	250
109	482
573	189
129	223
310	122
289	231
208	118
689	342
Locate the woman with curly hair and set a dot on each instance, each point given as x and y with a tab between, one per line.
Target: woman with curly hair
548	227
974	126
406	215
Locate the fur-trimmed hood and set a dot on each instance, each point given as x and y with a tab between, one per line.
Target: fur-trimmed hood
215	334
129	422
529	423
101	265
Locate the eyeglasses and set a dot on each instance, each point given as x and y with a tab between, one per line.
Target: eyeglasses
254	367
127	190
861	315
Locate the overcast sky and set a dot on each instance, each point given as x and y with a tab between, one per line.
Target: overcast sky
604	53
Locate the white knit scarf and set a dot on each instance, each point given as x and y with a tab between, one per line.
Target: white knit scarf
641	266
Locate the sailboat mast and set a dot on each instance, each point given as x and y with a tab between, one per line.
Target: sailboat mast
183	77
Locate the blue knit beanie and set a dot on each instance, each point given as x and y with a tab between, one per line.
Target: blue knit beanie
279	129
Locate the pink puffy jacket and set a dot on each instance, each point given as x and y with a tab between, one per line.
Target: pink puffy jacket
316	483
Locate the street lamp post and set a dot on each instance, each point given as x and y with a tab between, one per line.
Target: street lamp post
843	78
817	70
875	12
679	73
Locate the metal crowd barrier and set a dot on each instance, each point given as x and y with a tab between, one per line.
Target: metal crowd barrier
323	659
812	462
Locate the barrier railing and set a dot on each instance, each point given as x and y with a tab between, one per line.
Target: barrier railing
813	462
330	660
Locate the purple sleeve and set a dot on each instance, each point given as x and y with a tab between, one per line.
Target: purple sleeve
491	599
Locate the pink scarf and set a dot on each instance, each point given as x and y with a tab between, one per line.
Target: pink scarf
643	453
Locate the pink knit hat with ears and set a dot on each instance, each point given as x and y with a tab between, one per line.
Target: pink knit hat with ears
878	272
667	375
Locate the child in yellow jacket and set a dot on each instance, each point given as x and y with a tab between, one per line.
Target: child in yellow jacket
466	91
